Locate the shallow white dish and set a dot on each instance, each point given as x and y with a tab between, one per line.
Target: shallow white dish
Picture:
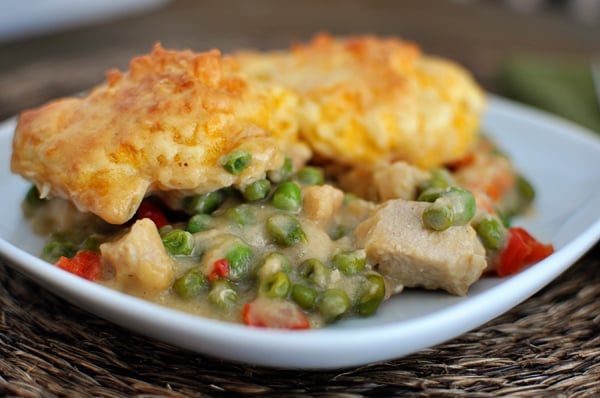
562	161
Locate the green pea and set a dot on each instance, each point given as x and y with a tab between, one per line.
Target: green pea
277	261
284	173
287	196
310	175
339	231
525	189
350	262
438	217
430	194
491	231
285	230
240	261
453	206
205	203
33	199
277	285
440	178
372	295
333	304
92	242
237	161
190	284
178	242
463	205
504	218
198	223
222	294
58	246
314	272
304	296
241	215
258	190
518	199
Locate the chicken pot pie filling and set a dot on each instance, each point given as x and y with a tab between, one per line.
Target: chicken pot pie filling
268	189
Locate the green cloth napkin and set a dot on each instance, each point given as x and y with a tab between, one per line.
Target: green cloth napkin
558	85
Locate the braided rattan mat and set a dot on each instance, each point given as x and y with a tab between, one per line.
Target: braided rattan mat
547	346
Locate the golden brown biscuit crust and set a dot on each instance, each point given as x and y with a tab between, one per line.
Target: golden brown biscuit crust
363	99
162	126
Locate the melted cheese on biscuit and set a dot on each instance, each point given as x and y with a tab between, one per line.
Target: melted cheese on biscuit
163	126
365	99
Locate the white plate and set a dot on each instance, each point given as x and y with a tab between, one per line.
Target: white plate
562	161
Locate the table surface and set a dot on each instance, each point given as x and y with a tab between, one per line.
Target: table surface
51	348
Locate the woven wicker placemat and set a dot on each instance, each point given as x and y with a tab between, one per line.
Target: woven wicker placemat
548	345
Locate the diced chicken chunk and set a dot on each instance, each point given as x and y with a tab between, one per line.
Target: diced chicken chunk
318	245
407	253
58	214
398	180
358	180
383	181
321	202
140	260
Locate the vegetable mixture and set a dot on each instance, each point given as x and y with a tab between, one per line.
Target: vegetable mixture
293	250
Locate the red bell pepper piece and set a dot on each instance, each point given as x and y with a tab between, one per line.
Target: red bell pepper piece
521	250
274	314
85	264
220	270
152	211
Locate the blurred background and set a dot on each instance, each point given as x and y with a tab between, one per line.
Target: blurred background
534	51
